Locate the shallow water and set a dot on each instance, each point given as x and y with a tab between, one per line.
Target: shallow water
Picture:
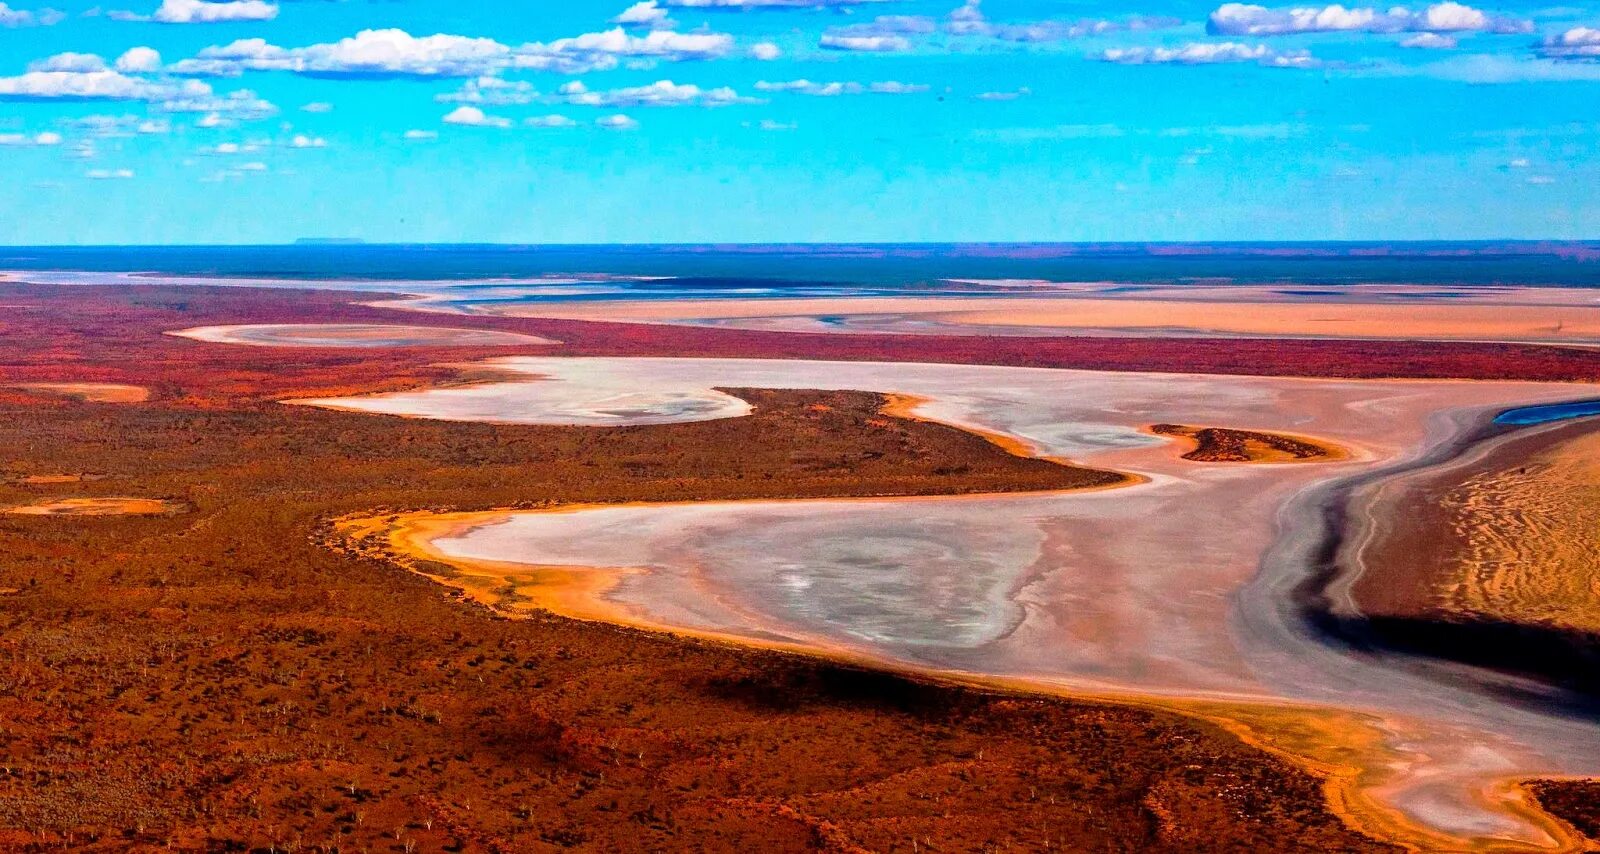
1546	413
1178	587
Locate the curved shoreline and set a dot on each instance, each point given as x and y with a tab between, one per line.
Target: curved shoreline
1340	745
1328	603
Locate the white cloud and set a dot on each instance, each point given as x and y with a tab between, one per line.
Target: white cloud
767	4
550	121
1208	53
616	122
76	62
10	17
826	90
774	125
46	138
108	174
765	51
1541	180
1496	69
317	107
969	20
374	53
118	126
867	44
256	166
303	141
1241	19
239	105
662	93
474	117
1004	96
203	12
86	86
646	13
1576	43
139	60
664	44
1519	163
1429	41
492	91
395	53
420	135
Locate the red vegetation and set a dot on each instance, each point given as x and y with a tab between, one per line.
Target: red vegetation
115	334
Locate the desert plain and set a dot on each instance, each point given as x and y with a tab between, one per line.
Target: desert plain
631	587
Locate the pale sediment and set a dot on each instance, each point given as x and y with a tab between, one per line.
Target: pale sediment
359	335
1126	593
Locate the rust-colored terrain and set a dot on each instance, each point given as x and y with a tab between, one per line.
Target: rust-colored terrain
220	679
115	334
1229	445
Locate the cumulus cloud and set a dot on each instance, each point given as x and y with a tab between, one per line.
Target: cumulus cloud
827	90
108	174
765	51
550	121
1429	41
869	44
646	13
969	20
74	62
46	138
1208	53
397	53
768	4
1578	43
202	12
317	107
662	93
10	17
139	60
772	125
113	126
602	47
616	122
220	110
1241	19
101	85
1004	96
474	117
884	34
303	141
491	91
420	135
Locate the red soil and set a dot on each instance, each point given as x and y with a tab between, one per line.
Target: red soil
54	333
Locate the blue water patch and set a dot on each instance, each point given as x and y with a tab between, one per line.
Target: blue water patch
1545	413
1442	264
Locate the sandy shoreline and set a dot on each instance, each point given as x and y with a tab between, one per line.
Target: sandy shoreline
1112	549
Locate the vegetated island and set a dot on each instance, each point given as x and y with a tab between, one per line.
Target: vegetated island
1229	445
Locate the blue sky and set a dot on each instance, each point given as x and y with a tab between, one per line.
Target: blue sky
186	121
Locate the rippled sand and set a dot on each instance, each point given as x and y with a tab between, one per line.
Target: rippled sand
1172	591
356	335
